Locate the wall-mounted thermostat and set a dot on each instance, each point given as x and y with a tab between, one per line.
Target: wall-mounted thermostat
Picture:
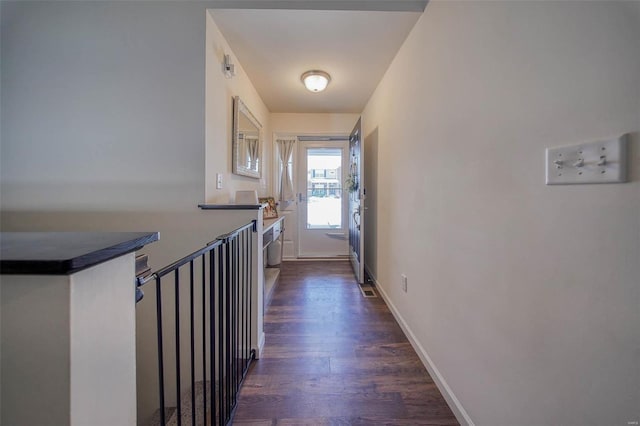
593	162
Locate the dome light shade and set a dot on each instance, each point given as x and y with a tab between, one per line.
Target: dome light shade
315	81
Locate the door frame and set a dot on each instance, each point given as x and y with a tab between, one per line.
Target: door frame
322	235
291	244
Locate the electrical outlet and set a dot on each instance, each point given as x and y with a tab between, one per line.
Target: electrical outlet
218	180
404	282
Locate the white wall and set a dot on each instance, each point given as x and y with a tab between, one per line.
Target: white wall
114	92
104	112
370	165
86	327
219	111
294	124
24	373
524	296
102	339
102	105
321	123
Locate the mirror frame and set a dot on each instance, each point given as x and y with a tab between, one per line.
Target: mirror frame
241	169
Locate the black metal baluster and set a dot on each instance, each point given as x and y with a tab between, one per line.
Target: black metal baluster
220	307
255	230
249	296
193	346
228	330
234	320
212	328
160	348
244	303
231	348
238	318
204	338
239	322
177	312
238	349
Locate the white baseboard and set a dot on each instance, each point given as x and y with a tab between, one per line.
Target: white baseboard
441	383
261	343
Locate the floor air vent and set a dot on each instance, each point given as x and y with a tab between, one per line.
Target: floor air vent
367	290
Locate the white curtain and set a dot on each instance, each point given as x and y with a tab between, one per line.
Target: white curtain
252	151
285	150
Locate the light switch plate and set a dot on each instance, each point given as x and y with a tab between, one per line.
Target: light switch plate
218	180
592	162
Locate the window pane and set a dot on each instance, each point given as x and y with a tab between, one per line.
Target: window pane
324	188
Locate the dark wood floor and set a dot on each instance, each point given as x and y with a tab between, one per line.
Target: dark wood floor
334	357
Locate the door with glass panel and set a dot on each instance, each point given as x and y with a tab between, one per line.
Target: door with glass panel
322	204
356	196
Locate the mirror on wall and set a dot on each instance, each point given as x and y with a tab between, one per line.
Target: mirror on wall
247	145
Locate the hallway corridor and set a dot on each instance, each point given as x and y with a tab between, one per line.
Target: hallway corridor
334	357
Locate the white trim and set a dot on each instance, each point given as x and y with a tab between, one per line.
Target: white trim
261	346
441	383
340	258
318	244
310	134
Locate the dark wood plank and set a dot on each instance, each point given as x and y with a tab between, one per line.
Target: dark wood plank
305	405
292	366
334	357
255	422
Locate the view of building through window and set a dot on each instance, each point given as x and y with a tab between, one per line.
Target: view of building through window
324	188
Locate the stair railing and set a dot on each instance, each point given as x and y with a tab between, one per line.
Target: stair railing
219	281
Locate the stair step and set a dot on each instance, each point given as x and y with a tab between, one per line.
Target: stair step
155	419
185	405
185	408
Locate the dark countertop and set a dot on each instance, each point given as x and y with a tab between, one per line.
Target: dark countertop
63	253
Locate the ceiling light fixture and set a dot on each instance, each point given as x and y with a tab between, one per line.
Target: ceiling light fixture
315	81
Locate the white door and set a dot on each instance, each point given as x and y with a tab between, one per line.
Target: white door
322	201
356	198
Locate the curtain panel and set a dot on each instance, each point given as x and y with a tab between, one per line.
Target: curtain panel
286	195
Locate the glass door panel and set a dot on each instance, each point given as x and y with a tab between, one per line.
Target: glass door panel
322	205
324	188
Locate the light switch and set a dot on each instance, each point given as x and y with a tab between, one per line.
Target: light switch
592	162
218	180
